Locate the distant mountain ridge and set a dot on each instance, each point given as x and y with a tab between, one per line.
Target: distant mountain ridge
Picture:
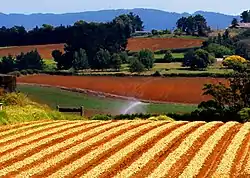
153	19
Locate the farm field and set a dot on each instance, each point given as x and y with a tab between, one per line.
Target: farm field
94	104
175	90
136	44
125	149
44	50
175	55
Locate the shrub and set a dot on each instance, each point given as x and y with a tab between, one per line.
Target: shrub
146	57
30	60
235	62
136	66
124	57
30	71
101	60
7	64
168	57
14	99
244	114
15	73
24	72
161	118
101	117
199	59
115	62
243	48
218	50
156	74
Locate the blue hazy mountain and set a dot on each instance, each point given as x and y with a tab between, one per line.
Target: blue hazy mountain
153	19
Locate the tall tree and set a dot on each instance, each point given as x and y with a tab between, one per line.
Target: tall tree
193	25
80	60
245	16
234	23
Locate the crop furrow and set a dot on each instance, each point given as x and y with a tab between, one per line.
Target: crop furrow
120	163
151	159
46	158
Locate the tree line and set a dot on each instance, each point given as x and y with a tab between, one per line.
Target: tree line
47	34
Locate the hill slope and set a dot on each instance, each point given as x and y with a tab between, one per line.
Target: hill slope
125	149
153	19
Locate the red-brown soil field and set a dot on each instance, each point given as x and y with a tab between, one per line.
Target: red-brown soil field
44	50
125	149
177	90
136	44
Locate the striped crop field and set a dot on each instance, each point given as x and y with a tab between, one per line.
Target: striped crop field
140	148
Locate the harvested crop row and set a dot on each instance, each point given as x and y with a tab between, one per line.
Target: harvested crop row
129	149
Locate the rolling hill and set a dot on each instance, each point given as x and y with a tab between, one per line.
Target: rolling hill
153	19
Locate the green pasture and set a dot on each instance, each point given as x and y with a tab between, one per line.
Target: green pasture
175	55
54	96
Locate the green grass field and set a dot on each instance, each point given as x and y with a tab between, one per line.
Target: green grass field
53	97
175	55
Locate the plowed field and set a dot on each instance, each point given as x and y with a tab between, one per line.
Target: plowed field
177	90
44	50
136	44
125	149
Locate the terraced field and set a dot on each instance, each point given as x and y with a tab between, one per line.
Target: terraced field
125	149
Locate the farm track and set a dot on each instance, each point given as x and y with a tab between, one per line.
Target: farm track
125	149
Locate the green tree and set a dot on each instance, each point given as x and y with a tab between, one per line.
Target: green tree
116	62
80	60
188	57
218	50
168	57
30	60
245	16
7	64
219	39
227	100
62	61
136	66
146	57
193	25
234	23
102	59
124	57
199	59
243	48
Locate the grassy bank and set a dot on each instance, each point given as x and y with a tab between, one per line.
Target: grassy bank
53	97
18	108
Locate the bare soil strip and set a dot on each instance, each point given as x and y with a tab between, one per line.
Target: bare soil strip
181	163
33	132
212	161
127	160
152	164
44	146
40	136
6	133
18	125
106	154
40	161
239	165
229	156
75	156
